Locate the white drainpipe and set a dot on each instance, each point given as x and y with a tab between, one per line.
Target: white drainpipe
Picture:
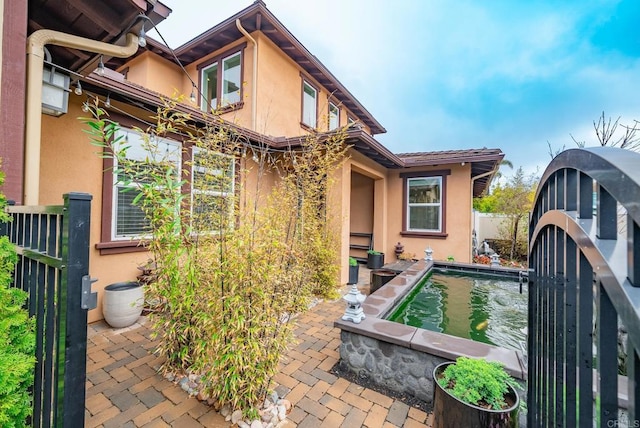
254	79
33	120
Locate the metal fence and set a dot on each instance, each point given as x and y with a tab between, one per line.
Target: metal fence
583	297
53	248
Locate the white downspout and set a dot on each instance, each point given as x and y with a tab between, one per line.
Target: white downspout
33	118
254	79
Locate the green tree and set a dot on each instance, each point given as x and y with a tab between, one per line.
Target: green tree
17	339
513	199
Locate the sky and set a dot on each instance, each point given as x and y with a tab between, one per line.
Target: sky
462	74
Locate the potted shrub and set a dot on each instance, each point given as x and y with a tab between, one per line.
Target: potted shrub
353	271
375	259
474	392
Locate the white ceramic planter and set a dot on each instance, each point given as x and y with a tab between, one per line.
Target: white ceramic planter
122	304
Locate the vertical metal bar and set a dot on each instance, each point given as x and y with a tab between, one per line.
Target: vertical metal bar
560	189
607	357
72	338
552	191
607	219
633	385
50	343
585	196
633	252
551	324
571	194
559	358
585	341
570	332
40	377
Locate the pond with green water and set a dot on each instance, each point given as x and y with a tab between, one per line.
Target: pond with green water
484	309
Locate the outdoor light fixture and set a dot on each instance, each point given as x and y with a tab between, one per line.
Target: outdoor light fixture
193	93
55	91
100	69
107	102
142	37
78	89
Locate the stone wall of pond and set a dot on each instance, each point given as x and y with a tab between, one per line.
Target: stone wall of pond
389	366
398	368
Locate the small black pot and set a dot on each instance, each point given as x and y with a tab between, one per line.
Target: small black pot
353	274
450	412
375	261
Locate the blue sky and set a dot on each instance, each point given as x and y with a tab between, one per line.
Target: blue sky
457	74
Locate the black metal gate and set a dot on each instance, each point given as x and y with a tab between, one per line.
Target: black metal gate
53	268
585	257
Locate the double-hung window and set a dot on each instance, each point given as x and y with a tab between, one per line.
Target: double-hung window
334	116
309	104
142	160
221	82
424	203
212	187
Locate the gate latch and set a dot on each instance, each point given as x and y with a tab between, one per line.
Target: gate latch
88	300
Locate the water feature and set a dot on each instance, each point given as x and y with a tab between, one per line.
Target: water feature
484	309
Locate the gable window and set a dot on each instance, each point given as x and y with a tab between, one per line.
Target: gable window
334	116
309	104
424	203
221	81
128	220
212	187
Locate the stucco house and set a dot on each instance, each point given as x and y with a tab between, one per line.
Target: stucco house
268	85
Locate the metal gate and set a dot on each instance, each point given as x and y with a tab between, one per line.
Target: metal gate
52	243
585	255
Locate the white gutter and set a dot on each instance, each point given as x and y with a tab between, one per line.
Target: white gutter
33	119
254	78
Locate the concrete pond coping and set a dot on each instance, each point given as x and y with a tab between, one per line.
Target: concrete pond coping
379	304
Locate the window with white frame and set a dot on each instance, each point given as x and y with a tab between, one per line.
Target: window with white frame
212	188
143	158
424	204
221	82
309	104
334	116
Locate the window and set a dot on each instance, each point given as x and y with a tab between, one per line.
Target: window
334	116
221	82
309	104
128	220
424	203
210	184
211	189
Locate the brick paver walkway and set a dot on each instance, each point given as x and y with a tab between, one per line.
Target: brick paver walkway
124	390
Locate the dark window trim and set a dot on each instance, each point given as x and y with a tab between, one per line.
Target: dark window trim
443	203
308	81
107	245
330	103
218	58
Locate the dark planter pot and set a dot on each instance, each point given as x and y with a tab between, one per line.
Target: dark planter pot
379	278
450	412
375	261
353	274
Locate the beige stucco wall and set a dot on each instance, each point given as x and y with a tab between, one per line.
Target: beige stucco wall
458	217
156	73
278	93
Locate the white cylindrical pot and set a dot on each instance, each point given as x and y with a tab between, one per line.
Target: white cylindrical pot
123	303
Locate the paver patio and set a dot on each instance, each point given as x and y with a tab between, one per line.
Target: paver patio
124	389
